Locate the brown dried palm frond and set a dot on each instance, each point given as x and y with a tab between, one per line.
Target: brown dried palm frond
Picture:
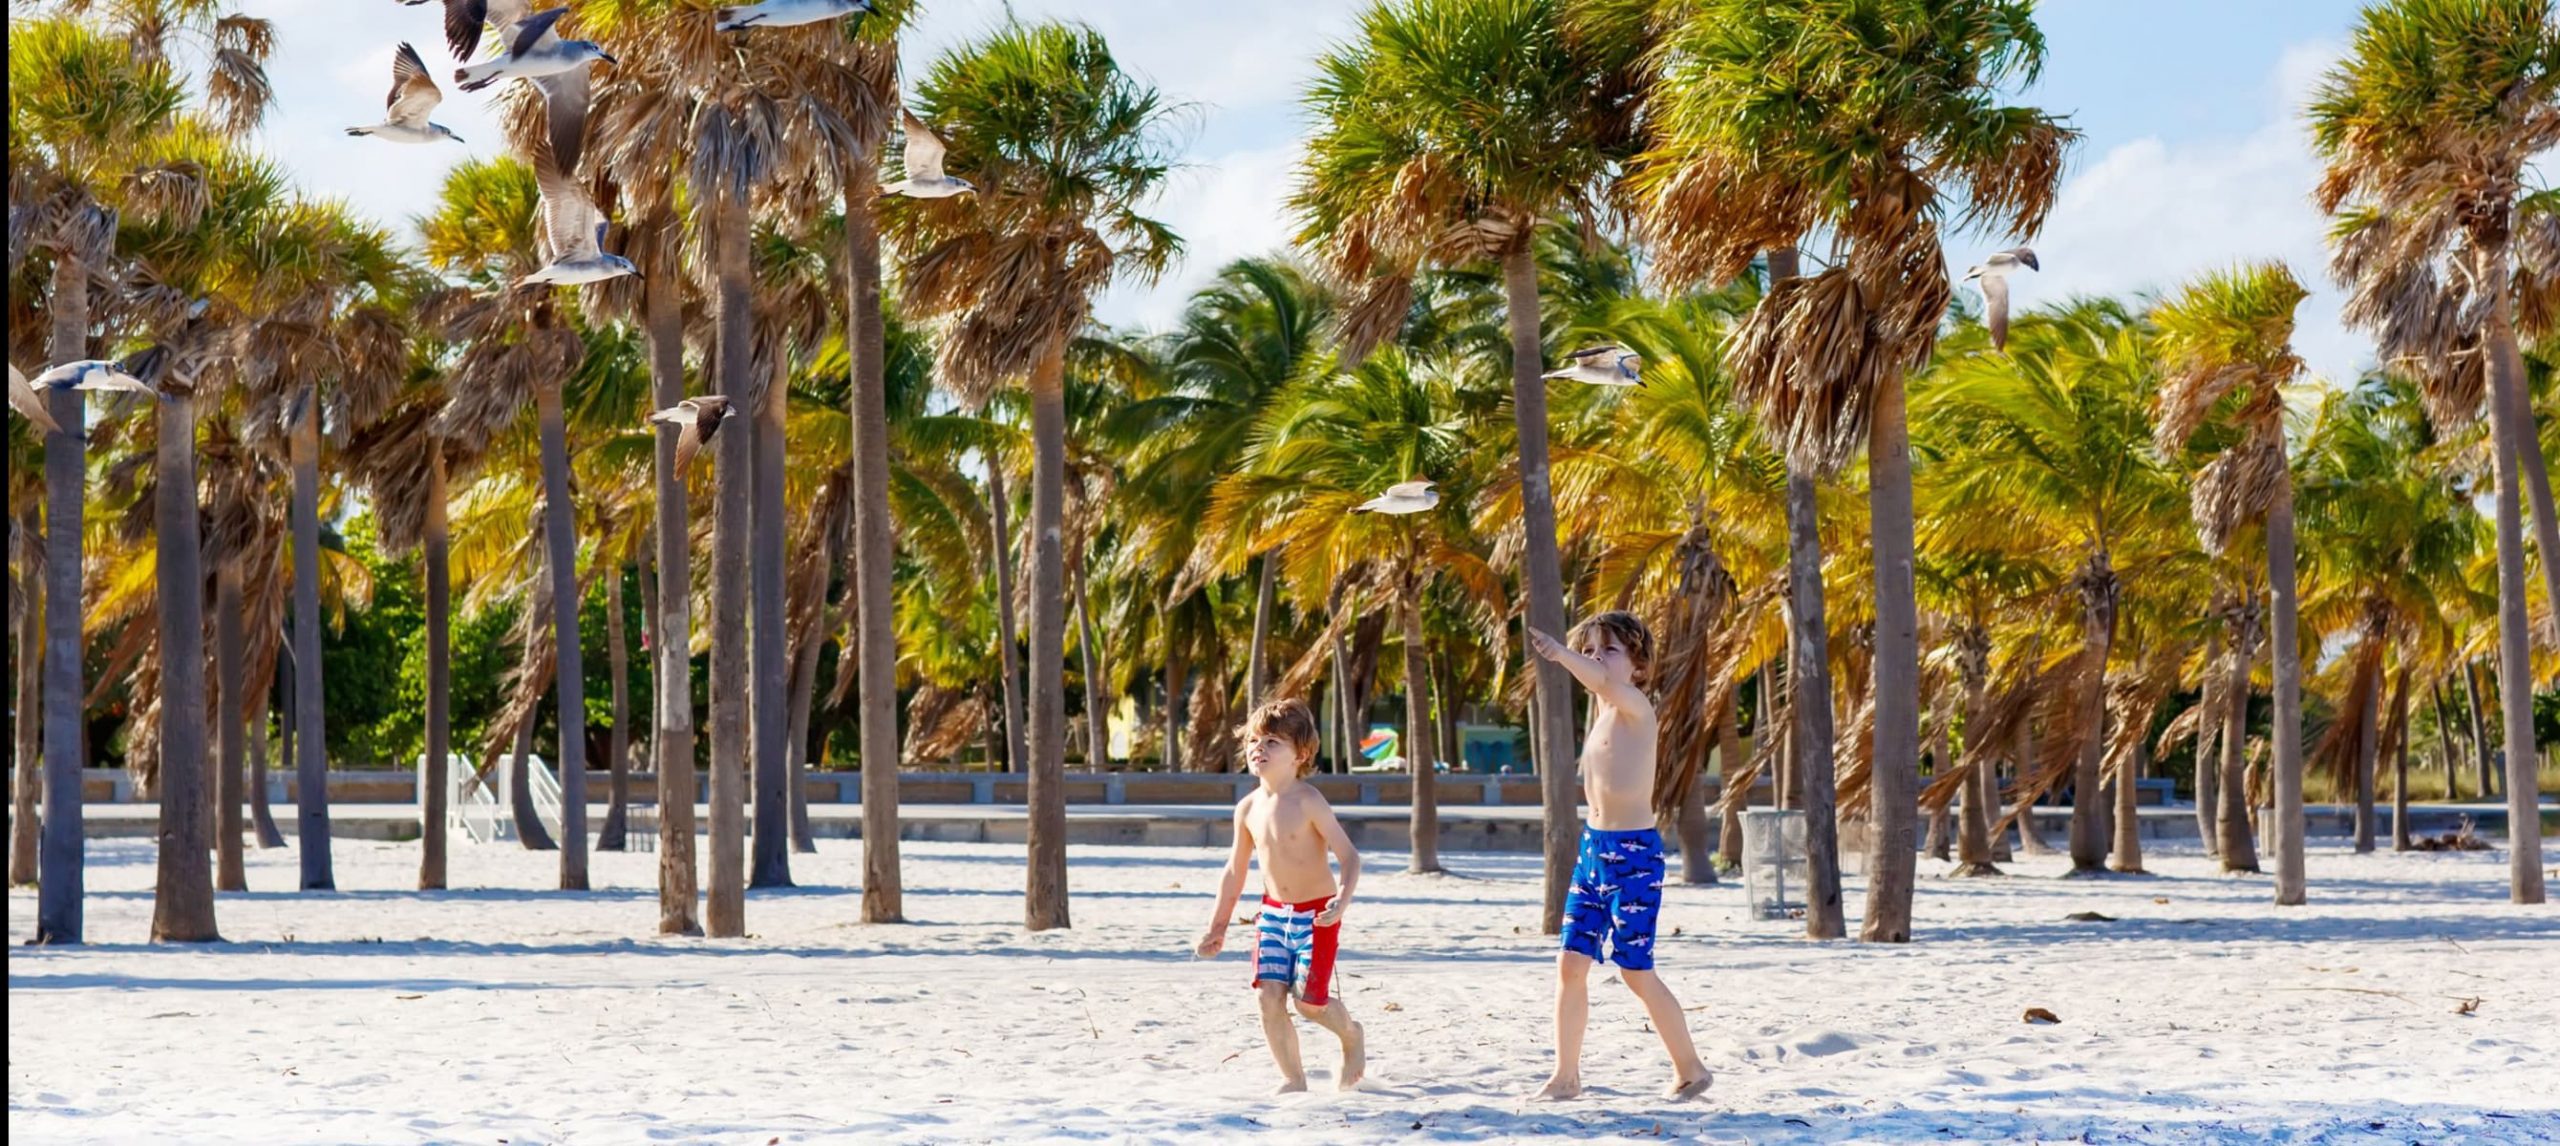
940	722
1811	357
1683	669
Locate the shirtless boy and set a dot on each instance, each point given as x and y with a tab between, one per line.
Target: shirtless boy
1617	883
1289	824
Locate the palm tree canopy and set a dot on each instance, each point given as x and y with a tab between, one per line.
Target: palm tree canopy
1064	148
2226	351
1445	132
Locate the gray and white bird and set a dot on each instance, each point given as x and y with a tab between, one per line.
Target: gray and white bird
574	231
925	179
785	13
700	417
413	94
1607	364
29	404
1402	498
94	374
1992	278
533	48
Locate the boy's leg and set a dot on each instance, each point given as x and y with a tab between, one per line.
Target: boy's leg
1335	1017
1573	1013
1691	1075
1283	1037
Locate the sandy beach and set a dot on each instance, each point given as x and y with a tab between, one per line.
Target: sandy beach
507	1012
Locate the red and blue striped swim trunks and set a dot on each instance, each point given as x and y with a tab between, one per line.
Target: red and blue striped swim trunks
1290	948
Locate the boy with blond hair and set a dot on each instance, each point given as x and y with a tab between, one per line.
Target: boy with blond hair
1288	824
1617	882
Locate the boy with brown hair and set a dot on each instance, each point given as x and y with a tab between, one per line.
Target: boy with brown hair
1617	883
1291	827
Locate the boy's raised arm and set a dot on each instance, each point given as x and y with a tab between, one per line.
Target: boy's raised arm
1344	855
1594	678
1230	885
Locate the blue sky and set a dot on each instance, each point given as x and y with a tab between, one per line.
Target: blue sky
2194	154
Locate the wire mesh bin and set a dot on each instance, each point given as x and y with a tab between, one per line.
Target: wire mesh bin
1773	863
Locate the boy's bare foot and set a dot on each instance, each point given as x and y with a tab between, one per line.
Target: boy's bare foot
1684	1089
1290	1086
1559	1088
1355	1057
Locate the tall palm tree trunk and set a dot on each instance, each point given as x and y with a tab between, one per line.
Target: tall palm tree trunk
2126	856
1554	723
2286	650
1257	663
59	908
2400	841
1177	703
262	818
2208	740
1940	837
2098	595
874	556
569	683
1974	853
1097	686
1420	758
229	871
671	676
1731	768
2445	737
2238	850
2509	387
614	835
182	906
1001	503
2511	429
769	713
310	741
1809	682
1893	857
2487	785
1045	895
25	720
530	830
1697	862
1346	729
804	695
433	830
730	687
2368	753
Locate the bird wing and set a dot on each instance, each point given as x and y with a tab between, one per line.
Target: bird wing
564	106
534	31
1409	489
413	92
680	414
29	404
569	219
1995	308
463	20
1594	353
924	150
688	443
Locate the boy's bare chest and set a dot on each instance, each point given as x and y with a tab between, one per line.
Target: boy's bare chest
1280	828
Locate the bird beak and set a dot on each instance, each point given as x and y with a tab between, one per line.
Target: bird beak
455	138
608	58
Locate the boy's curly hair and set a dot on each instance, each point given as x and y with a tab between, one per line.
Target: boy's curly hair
1627	629
1290	719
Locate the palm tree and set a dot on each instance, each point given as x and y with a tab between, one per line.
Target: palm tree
517	344
2058	429
78	103
2226	345
2428	128
1064	146
1325	445
1738	166
1447	133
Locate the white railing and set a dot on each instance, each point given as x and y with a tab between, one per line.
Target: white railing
477	804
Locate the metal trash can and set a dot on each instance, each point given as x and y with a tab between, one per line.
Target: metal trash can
1773	863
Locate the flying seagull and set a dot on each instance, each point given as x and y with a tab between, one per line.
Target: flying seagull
700	418
94	374
463	20
925	179
533	48
564	111
29	404
1402	498
574	230
413	94
1993	279
784	13
1607	364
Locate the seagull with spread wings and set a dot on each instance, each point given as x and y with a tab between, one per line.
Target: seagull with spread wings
105	374
925	179
1608	364
413	94
532	48
784	13
700	417
1402	498
1992	277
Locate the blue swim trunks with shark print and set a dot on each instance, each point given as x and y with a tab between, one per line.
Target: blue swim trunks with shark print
1617	892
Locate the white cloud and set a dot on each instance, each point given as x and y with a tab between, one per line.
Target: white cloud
2148	215
1226	208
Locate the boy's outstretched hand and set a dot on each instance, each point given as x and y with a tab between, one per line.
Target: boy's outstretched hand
1546	646
1212	943
1332	913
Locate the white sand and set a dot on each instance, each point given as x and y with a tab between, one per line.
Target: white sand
517	1014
